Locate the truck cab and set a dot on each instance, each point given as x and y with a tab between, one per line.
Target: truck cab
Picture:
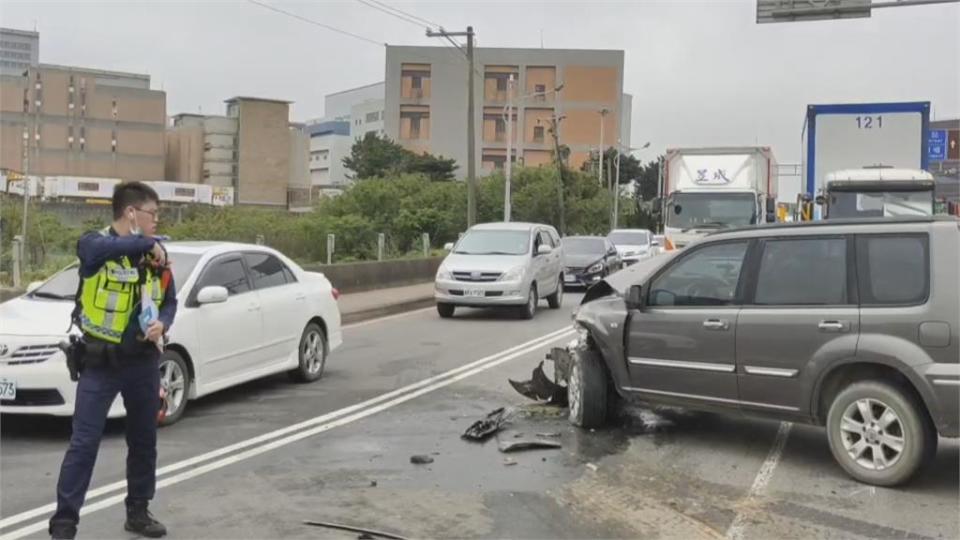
877	192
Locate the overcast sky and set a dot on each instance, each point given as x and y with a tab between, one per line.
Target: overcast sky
701	72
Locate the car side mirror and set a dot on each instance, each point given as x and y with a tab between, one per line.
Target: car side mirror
655	243
635	297
448	246
34	285
212	294
544	249
771	205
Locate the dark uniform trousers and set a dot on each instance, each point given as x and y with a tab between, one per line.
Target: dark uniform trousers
138	381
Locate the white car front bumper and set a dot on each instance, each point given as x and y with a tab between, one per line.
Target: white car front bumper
45	388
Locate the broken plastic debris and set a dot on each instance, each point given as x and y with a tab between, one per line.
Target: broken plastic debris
527	444
367	532
592	467
541	388
421	459
484	428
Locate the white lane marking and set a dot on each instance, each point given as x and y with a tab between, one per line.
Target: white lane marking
387	318
523	348
739	524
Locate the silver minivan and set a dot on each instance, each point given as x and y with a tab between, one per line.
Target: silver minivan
502	264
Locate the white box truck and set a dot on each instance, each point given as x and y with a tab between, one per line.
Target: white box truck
708	189
886	141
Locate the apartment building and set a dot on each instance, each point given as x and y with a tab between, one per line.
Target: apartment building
253	148
19	51
74	121
426	103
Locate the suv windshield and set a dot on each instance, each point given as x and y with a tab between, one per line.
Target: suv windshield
63	285
583	246
711	210
629	238
493	242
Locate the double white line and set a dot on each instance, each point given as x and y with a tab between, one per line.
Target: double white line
234	453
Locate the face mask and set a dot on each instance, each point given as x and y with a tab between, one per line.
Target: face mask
134	228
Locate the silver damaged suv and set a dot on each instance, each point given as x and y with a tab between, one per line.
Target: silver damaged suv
851	325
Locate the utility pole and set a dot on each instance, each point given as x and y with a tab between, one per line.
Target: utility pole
508	166
471	133
616	192
603	113
554	121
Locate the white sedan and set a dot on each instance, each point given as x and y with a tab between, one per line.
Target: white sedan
245	312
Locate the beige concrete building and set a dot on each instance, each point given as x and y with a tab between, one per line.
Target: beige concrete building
72	121
426	103
253	148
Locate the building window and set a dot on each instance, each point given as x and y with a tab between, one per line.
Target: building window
415	127
540	88
538	134
113	141
373	116
501	128
501	84
114	109
416	82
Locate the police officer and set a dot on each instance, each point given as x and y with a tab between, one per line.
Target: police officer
119	265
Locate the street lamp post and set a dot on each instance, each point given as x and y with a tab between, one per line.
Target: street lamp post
616	188
603	113
508	117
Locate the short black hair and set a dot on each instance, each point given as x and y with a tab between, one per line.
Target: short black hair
132	194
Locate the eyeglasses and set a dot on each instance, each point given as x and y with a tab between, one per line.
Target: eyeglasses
153	213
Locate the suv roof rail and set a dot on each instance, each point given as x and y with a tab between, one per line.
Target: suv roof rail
843	221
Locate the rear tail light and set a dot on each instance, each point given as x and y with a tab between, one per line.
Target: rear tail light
336	293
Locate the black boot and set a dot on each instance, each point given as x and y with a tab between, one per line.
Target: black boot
62	530
141	522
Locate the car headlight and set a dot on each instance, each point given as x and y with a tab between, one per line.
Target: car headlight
598	267
444	274
514	274
630	253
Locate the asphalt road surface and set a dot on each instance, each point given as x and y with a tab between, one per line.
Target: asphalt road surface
258	460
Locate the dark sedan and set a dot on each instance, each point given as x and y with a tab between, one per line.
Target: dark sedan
587	259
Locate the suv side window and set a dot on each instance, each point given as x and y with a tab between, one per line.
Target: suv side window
706	277
893	269
803	272
266	270
228	273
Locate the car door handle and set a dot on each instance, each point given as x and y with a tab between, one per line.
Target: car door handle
716	324
301	297
253	307
833	326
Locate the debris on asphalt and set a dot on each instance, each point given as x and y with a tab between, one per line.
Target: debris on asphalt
365	533
541	388
421	459
549	435
527	444
373	483
484	428
509	462
518	435
592	466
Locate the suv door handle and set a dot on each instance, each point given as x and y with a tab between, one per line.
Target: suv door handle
833	326
716	324
253	307
301	297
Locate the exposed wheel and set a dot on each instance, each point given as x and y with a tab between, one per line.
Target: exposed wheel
879	434
312	353
175	382
555	300
587	390
529	311
446	310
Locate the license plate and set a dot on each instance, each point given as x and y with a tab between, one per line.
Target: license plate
569	279
475	293
8	389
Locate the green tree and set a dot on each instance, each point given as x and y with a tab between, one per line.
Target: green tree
374	156
630	167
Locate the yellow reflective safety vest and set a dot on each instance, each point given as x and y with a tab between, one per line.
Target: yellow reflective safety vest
109	297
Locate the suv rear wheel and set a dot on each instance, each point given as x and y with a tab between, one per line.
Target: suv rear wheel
587	390
879	434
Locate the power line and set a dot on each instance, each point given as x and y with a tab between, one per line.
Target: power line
391	13
316	23
408	14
